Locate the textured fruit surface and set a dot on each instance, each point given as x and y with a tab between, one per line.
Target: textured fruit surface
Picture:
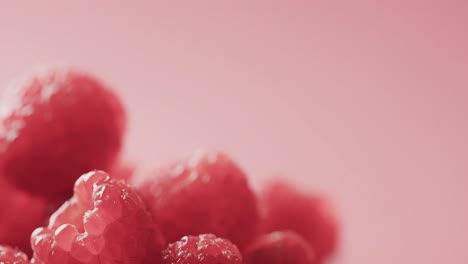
104	222
281	247
310	215
9	255
202	249
206	194
56	125
20	214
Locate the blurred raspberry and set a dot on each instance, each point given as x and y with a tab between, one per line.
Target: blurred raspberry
205	194
56	125
20	214
310	215
202	249
9	255
285	247
104	222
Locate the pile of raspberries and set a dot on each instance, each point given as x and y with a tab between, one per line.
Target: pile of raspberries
67	197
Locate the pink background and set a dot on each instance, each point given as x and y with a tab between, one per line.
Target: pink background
364	101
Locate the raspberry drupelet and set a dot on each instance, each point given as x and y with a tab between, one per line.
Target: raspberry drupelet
55	125
207	193
104	222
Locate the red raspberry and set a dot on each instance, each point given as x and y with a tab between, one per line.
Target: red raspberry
20	214
309	215
10	255
206	194
279	248
202	249
55	126
104	222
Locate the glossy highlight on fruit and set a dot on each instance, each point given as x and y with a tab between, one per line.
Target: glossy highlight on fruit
207	193
104	222
202	249
55	125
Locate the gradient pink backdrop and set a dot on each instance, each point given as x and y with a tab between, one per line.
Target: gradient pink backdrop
365	101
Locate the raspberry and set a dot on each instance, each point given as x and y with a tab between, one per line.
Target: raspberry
309	215
55	126
202	249
20	214
10	255
282	247
205	194
104	222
